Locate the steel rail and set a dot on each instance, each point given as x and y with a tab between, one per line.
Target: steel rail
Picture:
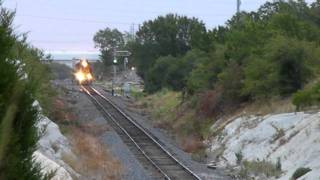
126	133
148	134
185	168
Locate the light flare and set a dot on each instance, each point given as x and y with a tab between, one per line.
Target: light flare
80	76
89	76
84	63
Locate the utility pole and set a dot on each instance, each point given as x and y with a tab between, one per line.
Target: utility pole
114	70
116	54
125	62
132	31
238	6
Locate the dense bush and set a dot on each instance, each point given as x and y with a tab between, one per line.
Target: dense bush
307	97
283	69
172	72
156	76
204	75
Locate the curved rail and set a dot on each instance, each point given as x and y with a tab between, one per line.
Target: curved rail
122	129
166	176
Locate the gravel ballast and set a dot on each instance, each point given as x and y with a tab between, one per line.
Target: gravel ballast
165	140
87	114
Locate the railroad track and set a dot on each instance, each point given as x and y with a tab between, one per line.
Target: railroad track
150	153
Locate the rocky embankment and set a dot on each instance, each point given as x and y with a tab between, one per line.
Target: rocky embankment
289	141
52	146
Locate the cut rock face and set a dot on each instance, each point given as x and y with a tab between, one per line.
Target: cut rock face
48	166
51	147
292	137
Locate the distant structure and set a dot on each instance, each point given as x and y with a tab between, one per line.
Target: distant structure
69	58
238	6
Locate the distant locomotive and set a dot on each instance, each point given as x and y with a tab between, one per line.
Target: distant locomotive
83	72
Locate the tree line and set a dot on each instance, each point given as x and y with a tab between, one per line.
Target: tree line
272	52
23	80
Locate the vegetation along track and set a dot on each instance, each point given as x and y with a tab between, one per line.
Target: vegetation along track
152	155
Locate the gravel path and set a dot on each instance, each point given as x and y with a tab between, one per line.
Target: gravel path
164	139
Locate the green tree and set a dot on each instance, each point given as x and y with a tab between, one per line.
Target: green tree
108	40
204	75
231	80
294	60
180	70
167	35
18	115
270	52
173	72
286	65
156	76
260	78
143	57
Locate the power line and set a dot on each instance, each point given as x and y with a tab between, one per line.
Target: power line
60	42
107	22
144	11
74	19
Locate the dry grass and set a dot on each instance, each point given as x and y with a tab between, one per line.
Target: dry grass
195	146
273	106
161	105
94	129
71	160
92	159
279	134
191	144
61	112
258	108
167	112
256	168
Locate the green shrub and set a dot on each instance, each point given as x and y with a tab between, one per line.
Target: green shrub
205	73
283	69
300	172
308	97
156	76
260	78
137	94
239	157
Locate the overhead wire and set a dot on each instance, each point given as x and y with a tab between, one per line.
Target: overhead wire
94	21
73	19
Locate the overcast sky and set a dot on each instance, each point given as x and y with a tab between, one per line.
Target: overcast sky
55	25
